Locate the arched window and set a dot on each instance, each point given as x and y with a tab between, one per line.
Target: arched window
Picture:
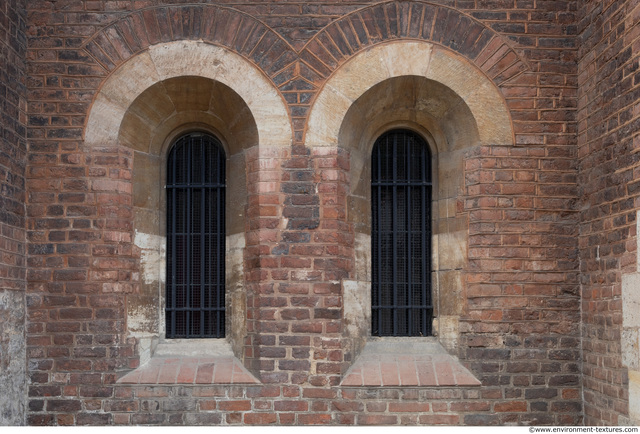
195	289
401	235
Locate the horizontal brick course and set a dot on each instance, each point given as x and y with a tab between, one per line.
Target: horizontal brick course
519	288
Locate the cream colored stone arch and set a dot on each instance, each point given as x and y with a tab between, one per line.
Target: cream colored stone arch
187	58
455	107
409	58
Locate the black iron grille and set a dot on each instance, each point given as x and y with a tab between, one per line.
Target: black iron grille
195	303
401	235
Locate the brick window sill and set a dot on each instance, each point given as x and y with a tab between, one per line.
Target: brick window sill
407	362
191	361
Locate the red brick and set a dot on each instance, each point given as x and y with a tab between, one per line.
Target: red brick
514	406
290	406
314	419
234	405
376	419
439	419
413	407
260	418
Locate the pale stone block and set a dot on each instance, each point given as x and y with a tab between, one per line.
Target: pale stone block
144	312
360	73
152	256
363	257
175	59
479	93
131	79
146	189
631	300
446	208
459	75
326	118
134	128
193	348
104	122
236	189
236	296
634	396
357	310
148	221
413	58
460	126
450	174
448	331
234	253
146	346
630	348
144	309
14	378
494	125
638	236
452	250
450	300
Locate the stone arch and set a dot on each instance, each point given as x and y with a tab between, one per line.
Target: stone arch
180	59
143	106
455	107
409	58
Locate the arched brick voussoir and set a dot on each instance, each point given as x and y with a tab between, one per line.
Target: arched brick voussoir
187	58
394	20
228	28
409	58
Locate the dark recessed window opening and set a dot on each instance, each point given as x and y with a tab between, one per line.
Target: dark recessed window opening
401	301
195	289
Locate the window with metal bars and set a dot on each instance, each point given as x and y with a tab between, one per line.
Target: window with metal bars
401	303
195	289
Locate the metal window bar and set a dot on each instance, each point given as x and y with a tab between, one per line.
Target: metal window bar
401	299
195	290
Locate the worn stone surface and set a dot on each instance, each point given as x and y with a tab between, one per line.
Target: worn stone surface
13	376
13	249
299	93
180	59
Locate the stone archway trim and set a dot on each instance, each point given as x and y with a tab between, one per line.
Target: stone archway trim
187	58
405	58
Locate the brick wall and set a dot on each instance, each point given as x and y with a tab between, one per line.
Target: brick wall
609	121
13	158
519	322
522	328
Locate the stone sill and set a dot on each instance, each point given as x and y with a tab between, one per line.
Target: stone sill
191	361
407	362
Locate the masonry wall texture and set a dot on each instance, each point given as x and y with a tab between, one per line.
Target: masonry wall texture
532	109
609	121
13	159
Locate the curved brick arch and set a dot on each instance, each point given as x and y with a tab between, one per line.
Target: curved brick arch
234	30
424	21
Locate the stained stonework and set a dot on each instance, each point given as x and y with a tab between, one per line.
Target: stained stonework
530	112
13	244
12	357
298	123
